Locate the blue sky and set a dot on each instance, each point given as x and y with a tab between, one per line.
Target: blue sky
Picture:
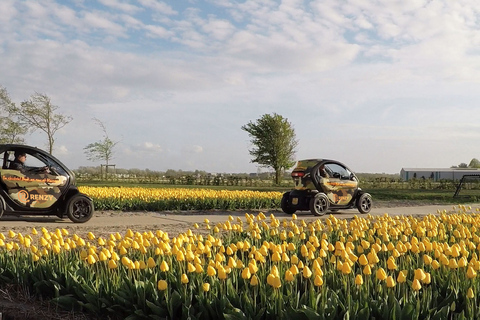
378	85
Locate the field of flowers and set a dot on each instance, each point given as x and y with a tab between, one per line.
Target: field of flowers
160	199
260	267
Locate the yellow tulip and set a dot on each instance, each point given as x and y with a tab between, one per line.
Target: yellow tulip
471	273
419	274
363	260
318	281
211	271
381	274
206	287
367	270
390	282
222	274
151	263
246	274
416	285
358	280
470	293
112	264
391	265
254	281
307	273
402	276
184	278
164	266
162	285
289	276
91	259
346	269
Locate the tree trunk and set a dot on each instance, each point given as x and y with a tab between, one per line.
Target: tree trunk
278	176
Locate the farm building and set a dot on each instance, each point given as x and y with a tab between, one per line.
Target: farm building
436	174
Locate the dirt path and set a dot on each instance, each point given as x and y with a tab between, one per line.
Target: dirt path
105	222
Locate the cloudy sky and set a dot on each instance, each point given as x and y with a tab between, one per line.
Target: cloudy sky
378	85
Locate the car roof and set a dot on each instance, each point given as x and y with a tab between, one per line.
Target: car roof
319	160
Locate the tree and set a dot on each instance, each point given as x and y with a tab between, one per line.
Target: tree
103	149
474	163
274	143
38	113
11	131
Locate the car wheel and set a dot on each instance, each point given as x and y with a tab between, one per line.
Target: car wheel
364	203
285	205
319	204
80	208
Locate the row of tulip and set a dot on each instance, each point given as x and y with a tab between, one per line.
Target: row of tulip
260	267
160	199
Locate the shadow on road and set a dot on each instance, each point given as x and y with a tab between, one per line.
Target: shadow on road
47	219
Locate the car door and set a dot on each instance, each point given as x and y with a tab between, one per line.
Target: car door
341	184
32	188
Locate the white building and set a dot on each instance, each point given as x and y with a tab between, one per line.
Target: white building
436	174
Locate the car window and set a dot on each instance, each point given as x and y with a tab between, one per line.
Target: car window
33	161
338	171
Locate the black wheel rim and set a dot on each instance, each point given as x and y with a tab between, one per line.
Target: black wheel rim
320	205
366	204
81	209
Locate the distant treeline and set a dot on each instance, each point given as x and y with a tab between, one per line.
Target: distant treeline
201	177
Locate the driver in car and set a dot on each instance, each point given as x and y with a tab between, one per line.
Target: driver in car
19	164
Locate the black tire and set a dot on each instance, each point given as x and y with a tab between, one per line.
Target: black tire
2	208
285	205
364	203
80	208
319	204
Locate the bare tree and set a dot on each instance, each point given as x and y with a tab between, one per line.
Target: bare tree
38	113
103	149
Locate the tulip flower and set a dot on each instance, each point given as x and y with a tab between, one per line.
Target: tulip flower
416	285
390	282
254	281
381	274
318	281
306	272
162	285
358	280
470	293
164	266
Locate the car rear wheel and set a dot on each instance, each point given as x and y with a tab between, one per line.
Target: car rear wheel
319	204
364	203
285	205
80	208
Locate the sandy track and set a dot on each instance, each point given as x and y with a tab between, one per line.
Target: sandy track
106	222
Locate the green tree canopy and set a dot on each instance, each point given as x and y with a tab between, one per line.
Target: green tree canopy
474	163
274	142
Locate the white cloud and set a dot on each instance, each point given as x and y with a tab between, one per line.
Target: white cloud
61	150
192	149
149	146
119	5
190	77
158	6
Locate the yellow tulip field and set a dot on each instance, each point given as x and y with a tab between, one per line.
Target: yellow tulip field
159	199
260	267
